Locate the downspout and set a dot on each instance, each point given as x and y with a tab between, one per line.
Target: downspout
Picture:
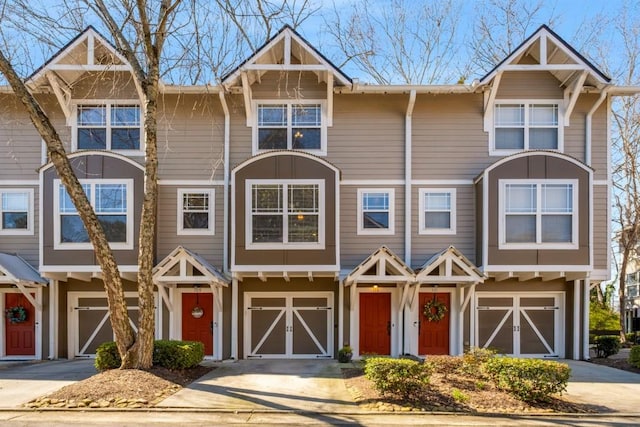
588	126
407	200
225	237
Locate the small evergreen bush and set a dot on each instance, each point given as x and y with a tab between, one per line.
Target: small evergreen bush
607	345
474	360
634	356
168	354
530	380
404	378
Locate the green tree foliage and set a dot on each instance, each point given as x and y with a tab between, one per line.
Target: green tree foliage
602	317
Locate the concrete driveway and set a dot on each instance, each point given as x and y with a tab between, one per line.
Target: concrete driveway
268	385
21	382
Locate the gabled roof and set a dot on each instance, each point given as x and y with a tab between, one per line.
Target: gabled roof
560	59
286	50
185	266
88	51
382	266
449	266
14	269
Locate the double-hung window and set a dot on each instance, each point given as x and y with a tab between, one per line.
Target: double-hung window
195	211
285	214
437	211
108	127
538	214
376	211
112	201
16	210
527	126
290	126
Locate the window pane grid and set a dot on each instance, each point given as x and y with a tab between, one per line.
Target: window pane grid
108	127
526	126
289	126
375	201
195	202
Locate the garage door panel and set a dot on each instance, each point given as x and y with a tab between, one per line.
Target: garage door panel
495	330
537	331
267	335
309	331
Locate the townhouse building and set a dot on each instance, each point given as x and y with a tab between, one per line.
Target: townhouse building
301	210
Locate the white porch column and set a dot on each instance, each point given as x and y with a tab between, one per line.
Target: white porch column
340	314
576	319
234	319
460	342
53	319
585	319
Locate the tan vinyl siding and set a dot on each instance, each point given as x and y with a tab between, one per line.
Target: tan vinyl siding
368	129
448	137
191	137
113	85
425	245
24	245
289	85
240	133
209	247
599	140
529	84
355	248
601	221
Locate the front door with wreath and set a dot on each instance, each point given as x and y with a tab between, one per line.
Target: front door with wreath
433	320
19	326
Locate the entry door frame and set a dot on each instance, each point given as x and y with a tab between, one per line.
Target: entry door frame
288	313
38	324
558	320
413	328
73	346
175	318
354	323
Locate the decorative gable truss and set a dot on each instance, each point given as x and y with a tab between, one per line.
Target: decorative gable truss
546	51
16	271
88	52
381	267
286	51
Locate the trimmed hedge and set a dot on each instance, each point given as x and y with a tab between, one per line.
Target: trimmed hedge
634	356
607	345
530	380
401	377
166	353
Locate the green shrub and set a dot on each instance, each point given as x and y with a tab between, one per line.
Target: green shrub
459	395
530	380
474	360
178	354
169	354
634	356
404	378
607	345
107	356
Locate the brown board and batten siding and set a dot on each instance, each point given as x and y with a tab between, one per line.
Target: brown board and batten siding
425	245
191	137
538	166
287	166
366	140
355	248
208	246
90	166
448	141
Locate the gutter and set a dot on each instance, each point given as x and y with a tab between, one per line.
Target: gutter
357	88
407	177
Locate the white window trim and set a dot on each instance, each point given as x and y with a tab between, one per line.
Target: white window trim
250	245
30	214
323	123
574	244
210	231
527	102
109	103
452	212
392	208
127	245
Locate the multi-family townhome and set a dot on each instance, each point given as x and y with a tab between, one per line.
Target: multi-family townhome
301	210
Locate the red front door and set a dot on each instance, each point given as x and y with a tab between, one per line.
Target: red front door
375	323
20	337
434	335
198	329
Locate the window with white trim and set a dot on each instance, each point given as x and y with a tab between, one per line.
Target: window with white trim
526	126
16	211
108	127
376	210
538	214
195	211
290	125
285	214
112	201
437	211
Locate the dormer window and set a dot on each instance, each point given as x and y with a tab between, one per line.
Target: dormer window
108	127
534	125
290	125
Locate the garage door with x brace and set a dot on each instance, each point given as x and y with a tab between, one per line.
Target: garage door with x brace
288	325
527	325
